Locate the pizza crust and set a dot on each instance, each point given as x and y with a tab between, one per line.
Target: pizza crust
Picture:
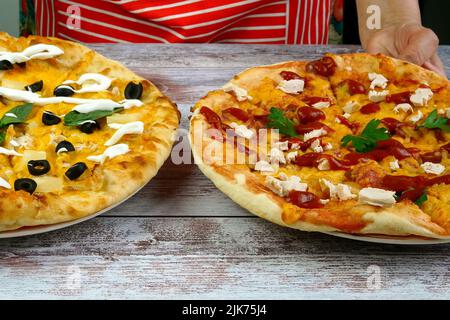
364	63
247	190
399	220
123	175
261	204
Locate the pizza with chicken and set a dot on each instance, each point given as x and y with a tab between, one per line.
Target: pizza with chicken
354	143
78	132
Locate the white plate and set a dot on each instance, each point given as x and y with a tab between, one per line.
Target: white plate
389	239
28	231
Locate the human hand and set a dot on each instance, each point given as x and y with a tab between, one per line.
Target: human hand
411	42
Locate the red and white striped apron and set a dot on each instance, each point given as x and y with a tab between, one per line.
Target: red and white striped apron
170	21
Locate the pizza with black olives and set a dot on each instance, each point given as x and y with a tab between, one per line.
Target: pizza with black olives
78	132
353	143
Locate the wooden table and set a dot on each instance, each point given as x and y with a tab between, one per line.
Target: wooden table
181	238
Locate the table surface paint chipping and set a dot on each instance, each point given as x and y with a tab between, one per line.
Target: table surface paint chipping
180	237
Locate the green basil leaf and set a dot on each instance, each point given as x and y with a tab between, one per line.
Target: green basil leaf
21	114
2	136
277	120
421	199
75	118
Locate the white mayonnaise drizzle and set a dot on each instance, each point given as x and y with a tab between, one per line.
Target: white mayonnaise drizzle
87	121
37	51
83	105
4	183
105	104
62	150
9	152
91	82
110	152
14	143
136	127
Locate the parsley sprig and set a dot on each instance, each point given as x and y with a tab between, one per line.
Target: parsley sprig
421	199
368	138
436	121
278	120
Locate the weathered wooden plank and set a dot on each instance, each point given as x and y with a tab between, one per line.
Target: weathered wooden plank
188	86
222	55
211	55
213	258
179	190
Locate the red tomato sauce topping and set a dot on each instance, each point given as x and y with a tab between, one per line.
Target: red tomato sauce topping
411	187
433	156
351	125
390	147
391	124
310	114
370	108
237	113
308	127
290	75
313	100
354	87
313	159
397	98
211	117
304	199
324	67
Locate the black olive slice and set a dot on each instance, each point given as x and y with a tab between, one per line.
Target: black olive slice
50	119
89	126
38	167
64	146
25	184
75	171
64	91
6	65
133	90
35	87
